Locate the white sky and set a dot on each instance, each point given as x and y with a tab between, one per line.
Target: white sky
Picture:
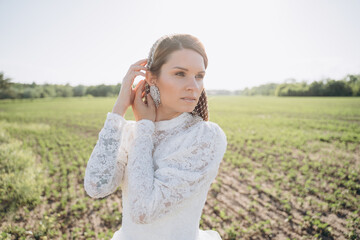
248	42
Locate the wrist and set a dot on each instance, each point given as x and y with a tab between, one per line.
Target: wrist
144	127
119	109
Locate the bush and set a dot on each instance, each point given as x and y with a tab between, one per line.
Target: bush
9	93
79	91
20	176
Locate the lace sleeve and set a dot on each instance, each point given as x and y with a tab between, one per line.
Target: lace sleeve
154	193
105	168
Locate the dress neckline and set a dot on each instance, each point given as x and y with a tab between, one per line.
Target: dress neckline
172	123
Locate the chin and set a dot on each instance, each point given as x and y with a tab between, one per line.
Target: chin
190	109
185	109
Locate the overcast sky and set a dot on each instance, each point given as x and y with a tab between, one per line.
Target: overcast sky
248	42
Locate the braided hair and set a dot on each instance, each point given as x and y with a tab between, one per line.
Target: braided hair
201	108
159	53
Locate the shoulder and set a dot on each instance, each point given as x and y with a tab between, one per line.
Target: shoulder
209	129
211	132
211	140
216	129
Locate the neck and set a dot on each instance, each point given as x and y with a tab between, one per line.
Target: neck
165	114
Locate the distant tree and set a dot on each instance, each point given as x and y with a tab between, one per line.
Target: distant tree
337	88
79	91
100	90
49	90
267	89
9	93
30	92
4	82
241	92
6	88
63	90
353	82
282	90
116	89
298	89
316	89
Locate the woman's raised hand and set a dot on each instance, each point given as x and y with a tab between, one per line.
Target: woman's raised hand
127	93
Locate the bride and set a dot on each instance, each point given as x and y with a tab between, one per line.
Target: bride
165	160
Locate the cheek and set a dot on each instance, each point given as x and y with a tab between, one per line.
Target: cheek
169	91
201	85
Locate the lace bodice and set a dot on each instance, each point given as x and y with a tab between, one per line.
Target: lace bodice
164	169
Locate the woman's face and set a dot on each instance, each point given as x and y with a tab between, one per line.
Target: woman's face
181	81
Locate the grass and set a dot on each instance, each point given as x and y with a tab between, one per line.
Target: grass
298	158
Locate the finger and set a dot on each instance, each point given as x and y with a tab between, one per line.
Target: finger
141	83
138	85
134	74
150	101
130	77
138	93
141	62
144	62
138	67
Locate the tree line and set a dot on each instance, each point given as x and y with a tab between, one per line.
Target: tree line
348	86
9	90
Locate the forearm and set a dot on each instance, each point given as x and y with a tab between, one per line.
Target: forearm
106	164
119	107
141	172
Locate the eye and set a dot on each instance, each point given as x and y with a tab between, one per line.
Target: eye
200	76
180	74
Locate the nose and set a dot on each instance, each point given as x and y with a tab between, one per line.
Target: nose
192	84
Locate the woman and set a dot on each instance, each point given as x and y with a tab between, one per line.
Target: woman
166	160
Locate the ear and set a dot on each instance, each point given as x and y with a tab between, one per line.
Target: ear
150	78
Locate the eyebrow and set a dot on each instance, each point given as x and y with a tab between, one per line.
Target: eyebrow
187	69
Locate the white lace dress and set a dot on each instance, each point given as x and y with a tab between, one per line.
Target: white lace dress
164	169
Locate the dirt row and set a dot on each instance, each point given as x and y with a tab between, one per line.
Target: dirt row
246	206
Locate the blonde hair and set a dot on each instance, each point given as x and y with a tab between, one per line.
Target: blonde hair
158	56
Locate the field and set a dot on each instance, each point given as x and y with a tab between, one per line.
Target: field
291	170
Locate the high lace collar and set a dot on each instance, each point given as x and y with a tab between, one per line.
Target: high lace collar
174	122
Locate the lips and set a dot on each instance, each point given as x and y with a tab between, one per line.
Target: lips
189	98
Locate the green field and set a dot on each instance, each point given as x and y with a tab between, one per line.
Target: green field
291	170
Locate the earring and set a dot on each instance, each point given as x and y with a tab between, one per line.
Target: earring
155	94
